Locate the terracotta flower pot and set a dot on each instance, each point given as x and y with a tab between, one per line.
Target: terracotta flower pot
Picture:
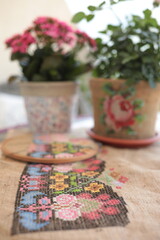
124	112
50	106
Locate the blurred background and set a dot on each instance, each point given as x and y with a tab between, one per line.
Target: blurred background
17	15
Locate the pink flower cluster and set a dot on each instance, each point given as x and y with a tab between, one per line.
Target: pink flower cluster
57	31
69	208
20	43
85	38
49	31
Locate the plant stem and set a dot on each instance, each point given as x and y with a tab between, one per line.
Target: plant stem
92	179
116	16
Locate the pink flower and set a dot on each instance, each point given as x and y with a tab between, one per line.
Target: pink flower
27	38
46	26
113	202
78	154
96	161
123	179
111	210
9	41
87	165
92	43
54	33
91	215
84	195
119	112
20	43
103	197
47	168
68	214
21	49
79	170
41	20
64	155
45	215
48	156
85	38
65	26
63	168
65	199
93	168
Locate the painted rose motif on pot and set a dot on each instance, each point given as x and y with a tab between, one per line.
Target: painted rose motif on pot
121	109
119	112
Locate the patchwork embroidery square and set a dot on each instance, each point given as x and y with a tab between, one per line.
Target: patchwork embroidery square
66	197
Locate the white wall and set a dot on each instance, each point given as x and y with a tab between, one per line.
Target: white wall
17	15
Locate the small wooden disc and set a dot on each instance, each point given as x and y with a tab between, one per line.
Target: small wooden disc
49	148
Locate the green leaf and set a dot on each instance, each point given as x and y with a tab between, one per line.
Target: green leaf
112	2
152	83
102	118
130	131
108	89
109	180
38	78
98	40
130	58
89	17
156	4
54	75
51	63
139	118
127	93
72	178
103	32
112	27
18	56
78	17
110	131
101	103
73	184
138	104
101	4
147	13
77	190
31	69
92	8
58	192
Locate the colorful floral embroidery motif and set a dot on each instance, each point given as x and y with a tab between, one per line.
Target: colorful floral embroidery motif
52	197
119	112
40	149
112	178
46	118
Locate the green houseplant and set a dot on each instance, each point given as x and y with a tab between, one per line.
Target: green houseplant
125	89
48	54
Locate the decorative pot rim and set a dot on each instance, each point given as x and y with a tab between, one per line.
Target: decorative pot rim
48	89
120	81
25	83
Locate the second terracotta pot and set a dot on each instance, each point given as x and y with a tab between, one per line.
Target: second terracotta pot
124	112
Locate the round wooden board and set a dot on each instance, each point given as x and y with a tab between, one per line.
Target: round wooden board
17	148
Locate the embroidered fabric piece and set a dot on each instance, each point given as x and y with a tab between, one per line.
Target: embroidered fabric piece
65	197
57	150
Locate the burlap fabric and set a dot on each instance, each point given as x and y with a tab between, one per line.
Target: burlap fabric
141	194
